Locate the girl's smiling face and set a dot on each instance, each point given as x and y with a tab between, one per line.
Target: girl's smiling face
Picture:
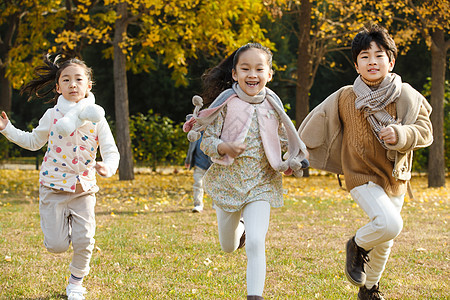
373	64
252	71
73	83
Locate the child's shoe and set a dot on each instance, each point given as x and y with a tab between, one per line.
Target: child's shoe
75	292
255	298
372	294
242	240
197	208
354	265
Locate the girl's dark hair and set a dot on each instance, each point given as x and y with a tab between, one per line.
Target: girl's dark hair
47	76
219	78
377	34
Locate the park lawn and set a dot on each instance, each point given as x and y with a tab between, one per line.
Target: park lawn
150	246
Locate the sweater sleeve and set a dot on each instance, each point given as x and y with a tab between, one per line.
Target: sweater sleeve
108	149
33	140
211	136
416	135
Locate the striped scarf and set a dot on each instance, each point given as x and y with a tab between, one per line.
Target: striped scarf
373	102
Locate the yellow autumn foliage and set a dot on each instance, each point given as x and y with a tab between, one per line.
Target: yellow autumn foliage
155	191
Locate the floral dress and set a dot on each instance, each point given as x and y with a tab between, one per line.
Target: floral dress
250	177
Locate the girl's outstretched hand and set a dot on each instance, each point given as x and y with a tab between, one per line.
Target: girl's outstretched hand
101	168
233	149
3	120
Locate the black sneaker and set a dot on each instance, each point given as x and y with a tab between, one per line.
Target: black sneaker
372	294
354	265
242	240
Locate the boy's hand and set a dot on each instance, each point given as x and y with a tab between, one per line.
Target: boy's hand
232	149
3	120
101	168
388	135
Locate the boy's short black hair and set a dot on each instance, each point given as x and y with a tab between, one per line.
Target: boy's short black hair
377	34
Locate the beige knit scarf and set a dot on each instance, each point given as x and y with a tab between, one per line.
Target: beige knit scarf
374	102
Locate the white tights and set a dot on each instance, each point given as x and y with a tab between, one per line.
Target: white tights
256	218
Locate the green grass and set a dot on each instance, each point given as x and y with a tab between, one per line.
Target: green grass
150	246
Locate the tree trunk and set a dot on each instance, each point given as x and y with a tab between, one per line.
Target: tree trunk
304	67
5	92
304	64
121	97
436	160
5	47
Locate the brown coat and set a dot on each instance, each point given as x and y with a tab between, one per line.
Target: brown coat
321	131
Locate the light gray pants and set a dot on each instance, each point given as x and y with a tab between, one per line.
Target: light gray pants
385	224
69	217
198	186
256	218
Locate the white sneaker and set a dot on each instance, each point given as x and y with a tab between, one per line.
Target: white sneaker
197	209
75	292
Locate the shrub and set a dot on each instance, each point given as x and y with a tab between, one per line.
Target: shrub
4	147
420	162
157	140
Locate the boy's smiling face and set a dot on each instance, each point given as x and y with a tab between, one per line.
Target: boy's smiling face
373	64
